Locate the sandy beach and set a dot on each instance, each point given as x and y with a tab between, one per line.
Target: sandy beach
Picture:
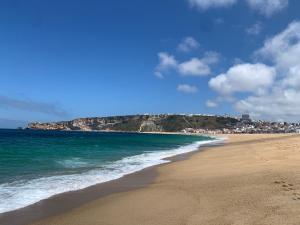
252	179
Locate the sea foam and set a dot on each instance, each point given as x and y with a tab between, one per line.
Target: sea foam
19	194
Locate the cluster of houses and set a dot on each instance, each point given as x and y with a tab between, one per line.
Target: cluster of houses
246	125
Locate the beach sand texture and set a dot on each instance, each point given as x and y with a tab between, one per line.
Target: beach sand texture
253	179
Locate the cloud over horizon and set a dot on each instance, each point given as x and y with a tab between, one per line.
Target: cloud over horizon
273	84
282	102
32	106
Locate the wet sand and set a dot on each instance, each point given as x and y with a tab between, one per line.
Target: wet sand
253	179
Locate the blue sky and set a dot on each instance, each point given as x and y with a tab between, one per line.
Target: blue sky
66	59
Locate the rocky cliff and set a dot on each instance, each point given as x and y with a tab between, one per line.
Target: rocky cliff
142	123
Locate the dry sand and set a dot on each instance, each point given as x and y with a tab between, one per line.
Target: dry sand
253	179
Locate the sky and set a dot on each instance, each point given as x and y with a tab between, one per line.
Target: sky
61	60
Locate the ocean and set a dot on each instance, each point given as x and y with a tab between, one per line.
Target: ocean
36	165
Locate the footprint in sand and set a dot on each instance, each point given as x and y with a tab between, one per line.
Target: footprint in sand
279	182
288	187
296	196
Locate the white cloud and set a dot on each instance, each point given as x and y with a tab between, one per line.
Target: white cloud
199	66
255	29
283	102
194	67
188	89
284	48
166	62
206	4
268	7
280	104
280	98
253	78
188	44
211	104
264	7
293	78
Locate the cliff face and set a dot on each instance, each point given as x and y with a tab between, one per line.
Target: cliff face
142	123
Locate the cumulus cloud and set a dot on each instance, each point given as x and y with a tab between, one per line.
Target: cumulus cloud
198	66
268	7
280	104
206	4
188	44
166	62
253	78
283	102
32	106
192	67
211	104
278	97
186	88
293	78
284	48
255	29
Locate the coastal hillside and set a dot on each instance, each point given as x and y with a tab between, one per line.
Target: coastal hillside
140	123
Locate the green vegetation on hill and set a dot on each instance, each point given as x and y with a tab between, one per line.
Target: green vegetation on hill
167	123
179	122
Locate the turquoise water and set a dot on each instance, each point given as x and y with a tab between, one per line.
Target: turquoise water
35	165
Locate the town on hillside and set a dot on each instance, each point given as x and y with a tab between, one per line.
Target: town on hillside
246	125
185	123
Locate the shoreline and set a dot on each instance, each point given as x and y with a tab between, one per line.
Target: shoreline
251	180
63	202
